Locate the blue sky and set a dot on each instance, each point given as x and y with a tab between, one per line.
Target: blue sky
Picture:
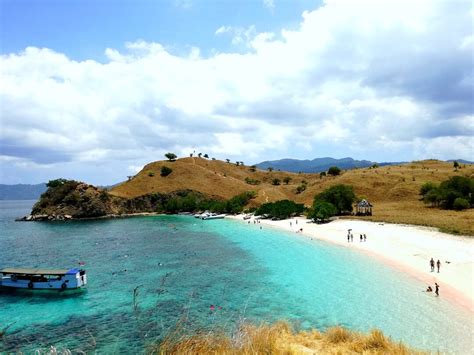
93	90
83	29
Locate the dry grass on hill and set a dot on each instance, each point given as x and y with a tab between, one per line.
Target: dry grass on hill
281	339
392	189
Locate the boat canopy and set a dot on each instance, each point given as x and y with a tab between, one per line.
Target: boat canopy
39	271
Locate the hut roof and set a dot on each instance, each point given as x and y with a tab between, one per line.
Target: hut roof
364	203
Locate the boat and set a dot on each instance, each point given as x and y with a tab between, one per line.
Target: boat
213	216
43	279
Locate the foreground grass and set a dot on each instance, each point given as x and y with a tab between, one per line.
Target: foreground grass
280	339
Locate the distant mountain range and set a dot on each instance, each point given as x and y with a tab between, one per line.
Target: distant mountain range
323	164
21	191
316	165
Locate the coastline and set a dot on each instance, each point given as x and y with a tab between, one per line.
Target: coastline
407	248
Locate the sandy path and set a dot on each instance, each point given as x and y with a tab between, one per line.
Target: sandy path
408	248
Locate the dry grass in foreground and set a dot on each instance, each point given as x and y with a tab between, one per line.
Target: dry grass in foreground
281	339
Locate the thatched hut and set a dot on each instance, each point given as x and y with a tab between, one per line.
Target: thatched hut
364	208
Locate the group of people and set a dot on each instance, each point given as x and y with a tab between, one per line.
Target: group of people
432	264
350	236
429	289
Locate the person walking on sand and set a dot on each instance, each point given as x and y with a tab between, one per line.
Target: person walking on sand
352	237
436	289
432	264
438	264
361	238
348	237
365	238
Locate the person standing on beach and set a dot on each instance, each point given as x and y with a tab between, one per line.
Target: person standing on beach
438	264
365	238
352	237
436	289
432	264
348	237
361	238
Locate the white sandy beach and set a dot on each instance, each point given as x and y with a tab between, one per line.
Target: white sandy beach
405	247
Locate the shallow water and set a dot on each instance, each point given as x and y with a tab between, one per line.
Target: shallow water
182	265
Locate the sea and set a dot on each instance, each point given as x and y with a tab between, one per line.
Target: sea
149	277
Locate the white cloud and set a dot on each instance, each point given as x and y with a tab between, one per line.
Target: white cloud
392	79
269	4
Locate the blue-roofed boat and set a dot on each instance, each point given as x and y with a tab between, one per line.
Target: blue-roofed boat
43	279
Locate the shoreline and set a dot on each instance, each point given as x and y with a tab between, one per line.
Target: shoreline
407	248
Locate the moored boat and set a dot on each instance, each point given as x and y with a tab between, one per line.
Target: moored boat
213	216
43	279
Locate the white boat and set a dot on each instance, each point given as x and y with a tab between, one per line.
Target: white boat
43	279
214	216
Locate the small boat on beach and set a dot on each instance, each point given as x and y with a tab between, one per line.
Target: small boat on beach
213	216
43	279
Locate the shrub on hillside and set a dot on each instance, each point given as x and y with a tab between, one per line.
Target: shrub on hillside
252	181
280	209
276	181
340	196
287	180
460	204
334	170
165	171
322	211
449	191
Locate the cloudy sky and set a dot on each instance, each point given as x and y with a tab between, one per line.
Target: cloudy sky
93	90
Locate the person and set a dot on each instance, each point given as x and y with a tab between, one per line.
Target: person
290	225
301	230
438	264
429	289
348	237
365	238
432	264
436	289
296	221
352	237
361	238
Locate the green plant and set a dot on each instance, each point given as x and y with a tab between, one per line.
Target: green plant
270	169
287	180
460	204
334	170
165	171
252	181
341	196
253	168
171	156
276	181
322	211
151	174
280	209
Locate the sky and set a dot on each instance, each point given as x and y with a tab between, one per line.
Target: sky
94	90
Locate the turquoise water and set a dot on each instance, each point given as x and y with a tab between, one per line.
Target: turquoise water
182	265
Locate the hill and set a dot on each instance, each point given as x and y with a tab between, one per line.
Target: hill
392	189
316	165
21	191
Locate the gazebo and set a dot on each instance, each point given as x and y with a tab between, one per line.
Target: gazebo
364	208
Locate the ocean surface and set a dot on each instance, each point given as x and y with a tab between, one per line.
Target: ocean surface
149	276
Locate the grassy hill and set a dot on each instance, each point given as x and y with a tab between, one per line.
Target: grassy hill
392	189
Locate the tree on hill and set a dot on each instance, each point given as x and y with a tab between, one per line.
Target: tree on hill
286	180
237	163
322	174
253	168
206	156
199	155
171	156
334	170
227	160
456	165
340	196
270	169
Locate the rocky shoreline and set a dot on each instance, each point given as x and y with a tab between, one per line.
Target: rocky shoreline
62	218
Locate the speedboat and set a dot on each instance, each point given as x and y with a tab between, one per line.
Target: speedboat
43	279
213	216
